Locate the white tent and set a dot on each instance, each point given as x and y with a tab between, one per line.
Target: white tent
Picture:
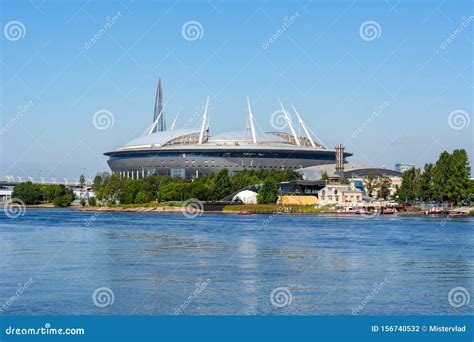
246	196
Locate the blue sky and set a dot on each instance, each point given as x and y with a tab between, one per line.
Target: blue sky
54	78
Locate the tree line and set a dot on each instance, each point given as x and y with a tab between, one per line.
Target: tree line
212	187
33	193
446	180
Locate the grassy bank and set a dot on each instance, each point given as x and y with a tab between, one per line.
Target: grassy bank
275	208
140	205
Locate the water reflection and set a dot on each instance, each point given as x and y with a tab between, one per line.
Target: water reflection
155	264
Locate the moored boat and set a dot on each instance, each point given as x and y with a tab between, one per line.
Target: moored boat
246	212
435	211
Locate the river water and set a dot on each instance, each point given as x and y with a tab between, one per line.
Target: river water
63	261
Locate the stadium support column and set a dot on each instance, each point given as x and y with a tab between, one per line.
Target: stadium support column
339	158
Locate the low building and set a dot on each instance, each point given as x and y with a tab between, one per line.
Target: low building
298	200
246	197
301	187
402	167
350	171
340	194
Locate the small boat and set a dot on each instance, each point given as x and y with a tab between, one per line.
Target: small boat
388	211
246	212
435	211
364	211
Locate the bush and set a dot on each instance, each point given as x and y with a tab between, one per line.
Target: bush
92	201
63	201
28	192
143	196
268	193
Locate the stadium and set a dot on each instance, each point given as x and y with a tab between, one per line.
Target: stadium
189	153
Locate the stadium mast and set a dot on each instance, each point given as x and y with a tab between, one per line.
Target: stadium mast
203	125
288	120
304	126
175	119
251	124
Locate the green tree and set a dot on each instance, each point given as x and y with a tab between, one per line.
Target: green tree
64	200
97	183
222	185
111	189
268	193
369	183
460	175
441	177
28	192
143	196
325	176
427	187
409	189
383	187
447	179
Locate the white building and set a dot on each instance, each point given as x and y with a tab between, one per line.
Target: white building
340	194
246	197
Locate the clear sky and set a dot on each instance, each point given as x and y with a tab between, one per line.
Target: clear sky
391	80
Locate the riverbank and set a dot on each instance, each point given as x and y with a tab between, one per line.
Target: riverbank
267	209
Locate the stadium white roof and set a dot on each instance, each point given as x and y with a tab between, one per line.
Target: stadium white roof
159	138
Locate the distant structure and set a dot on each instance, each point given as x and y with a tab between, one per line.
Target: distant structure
339	158
189	152
402	167
159	115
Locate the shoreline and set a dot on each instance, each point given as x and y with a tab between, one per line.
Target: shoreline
276	210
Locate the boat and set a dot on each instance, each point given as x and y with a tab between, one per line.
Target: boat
388	211
246	212
435	211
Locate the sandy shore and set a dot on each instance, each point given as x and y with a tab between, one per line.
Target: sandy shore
159	209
